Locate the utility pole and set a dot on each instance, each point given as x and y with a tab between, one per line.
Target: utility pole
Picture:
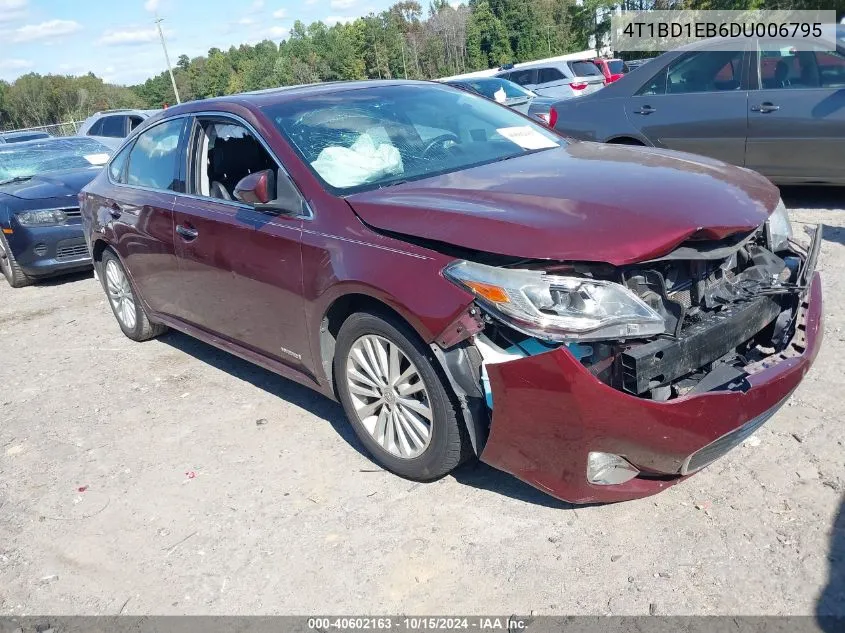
158	22
549	37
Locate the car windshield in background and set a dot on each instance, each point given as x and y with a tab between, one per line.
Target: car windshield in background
24	160
363	139
493	87
584	69
617	66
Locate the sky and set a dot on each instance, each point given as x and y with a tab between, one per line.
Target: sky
117	39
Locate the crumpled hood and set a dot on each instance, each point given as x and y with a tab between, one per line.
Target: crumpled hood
583	201
53	184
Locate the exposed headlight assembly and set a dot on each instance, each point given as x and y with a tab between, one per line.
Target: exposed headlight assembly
556	308
43	217
778	228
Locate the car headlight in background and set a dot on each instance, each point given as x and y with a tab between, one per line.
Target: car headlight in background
43	217
557	308
778	228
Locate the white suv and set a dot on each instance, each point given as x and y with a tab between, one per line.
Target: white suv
561	80
110	127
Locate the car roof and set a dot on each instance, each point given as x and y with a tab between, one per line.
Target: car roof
270	96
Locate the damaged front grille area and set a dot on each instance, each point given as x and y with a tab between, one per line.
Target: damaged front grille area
724	317
721	315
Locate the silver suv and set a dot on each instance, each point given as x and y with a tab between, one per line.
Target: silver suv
110	127
561	80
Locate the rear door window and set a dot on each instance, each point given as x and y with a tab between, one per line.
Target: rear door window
548	75
524	77
154	157
114	126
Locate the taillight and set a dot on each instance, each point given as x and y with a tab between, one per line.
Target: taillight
552	117
577	86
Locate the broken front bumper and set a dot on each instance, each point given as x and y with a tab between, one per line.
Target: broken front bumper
550	412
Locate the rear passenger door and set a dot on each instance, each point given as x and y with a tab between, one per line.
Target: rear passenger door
796	117
240	268
697	103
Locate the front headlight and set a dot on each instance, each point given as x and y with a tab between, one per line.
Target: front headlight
778	228
556	308
44	217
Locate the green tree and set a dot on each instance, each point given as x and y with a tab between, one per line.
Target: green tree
488	44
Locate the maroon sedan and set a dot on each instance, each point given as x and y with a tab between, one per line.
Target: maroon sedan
458	278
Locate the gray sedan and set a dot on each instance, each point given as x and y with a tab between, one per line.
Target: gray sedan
771	108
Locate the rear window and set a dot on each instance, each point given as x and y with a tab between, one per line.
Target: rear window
617	66
584	69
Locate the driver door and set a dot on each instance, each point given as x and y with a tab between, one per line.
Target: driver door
240	268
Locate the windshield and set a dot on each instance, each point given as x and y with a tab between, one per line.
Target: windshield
356	140
495	87
24	160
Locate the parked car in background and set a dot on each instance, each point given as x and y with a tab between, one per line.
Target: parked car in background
773	109
459	278
509	94
40	224
110	127
560	80
612	69
22	136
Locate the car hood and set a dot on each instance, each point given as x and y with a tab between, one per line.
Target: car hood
53	184
582	201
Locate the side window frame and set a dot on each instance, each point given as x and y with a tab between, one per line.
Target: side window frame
177	169
189	162
743	82
122	176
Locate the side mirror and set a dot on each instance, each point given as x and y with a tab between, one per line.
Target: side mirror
257	188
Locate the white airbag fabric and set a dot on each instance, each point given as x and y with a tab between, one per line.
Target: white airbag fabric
358	164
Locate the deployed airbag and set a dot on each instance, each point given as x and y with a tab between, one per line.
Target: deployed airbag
358	164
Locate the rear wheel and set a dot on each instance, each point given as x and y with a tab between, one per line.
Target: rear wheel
396	400
124	302
9	265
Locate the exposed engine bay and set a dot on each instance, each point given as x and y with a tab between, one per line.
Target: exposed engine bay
729	308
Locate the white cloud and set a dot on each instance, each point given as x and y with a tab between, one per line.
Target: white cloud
45	30
277	32
131	36
338	19
152	5
15	64
310	2
280	14
246	21
341	4
11	10
257	5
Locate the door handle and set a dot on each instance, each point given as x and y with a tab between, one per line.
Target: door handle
188	233
646	109
115	210
766	106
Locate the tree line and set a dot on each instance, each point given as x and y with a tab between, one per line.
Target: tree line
404	41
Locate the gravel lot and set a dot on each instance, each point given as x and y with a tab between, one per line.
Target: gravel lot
170	478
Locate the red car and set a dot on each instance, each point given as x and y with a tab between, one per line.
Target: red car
455	275
612	69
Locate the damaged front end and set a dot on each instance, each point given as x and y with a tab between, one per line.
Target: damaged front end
608	383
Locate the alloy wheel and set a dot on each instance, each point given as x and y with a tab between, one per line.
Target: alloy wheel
389	396
120	295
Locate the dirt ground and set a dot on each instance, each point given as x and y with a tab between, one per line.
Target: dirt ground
170	478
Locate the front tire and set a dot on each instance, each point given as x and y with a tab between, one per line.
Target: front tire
9	265
124	301
397	401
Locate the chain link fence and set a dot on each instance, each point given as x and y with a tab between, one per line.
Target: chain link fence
56	129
